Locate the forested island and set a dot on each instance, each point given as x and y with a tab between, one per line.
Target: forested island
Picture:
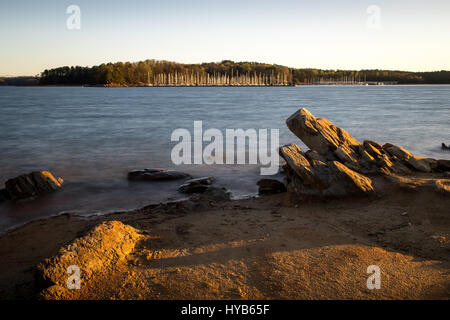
225	73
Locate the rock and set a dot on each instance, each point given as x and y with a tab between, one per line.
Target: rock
270	186
442	186
32	185
320	135
373	148
418	163
216	194
347	182
156	175
315	177
397	151
314	155
445	147
297	162
96	254
198	185
421	184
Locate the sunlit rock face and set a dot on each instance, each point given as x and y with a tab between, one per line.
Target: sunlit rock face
338	165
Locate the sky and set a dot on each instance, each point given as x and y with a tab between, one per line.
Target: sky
409	35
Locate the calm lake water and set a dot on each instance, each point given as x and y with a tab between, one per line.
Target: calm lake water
92	137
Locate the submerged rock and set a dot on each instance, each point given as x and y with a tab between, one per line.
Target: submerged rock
197	185
156	175
31	185
214	194
270	186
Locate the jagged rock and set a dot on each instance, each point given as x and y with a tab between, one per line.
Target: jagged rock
314	155
270	186
418	163
337	164
320	135
156	175
197	185
350	181
315	177
420	184
96	254
296	160
31	185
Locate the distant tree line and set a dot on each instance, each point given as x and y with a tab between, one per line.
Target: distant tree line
154	72
166	73
19	81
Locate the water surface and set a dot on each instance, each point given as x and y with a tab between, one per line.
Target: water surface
93	136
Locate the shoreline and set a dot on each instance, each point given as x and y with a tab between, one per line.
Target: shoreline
187	242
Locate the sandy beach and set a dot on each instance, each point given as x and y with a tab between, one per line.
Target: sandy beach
270	247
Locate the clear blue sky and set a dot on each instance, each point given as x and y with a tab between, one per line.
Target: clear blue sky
413	35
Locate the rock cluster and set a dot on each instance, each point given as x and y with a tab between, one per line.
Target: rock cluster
337	164
28	186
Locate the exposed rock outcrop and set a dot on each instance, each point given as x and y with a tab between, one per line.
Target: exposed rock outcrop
413	183
156	175
30	185
95	254
337	164
314	177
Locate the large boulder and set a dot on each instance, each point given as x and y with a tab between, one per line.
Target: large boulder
31	185
156	175
96	254
314	177
320	135
328	142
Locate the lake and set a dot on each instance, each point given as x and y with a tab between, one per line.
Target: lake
91	137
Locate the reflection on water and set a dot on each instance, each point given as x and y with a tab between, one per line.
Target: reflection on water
93	136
